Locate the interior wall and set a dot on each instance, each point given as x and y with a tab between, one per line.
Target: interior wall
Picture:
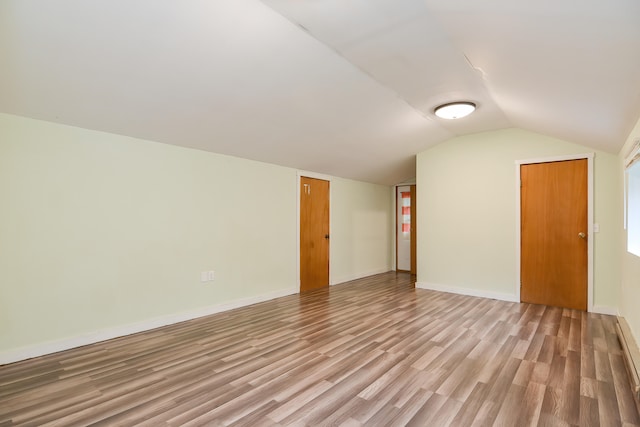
630	292
467	213
360	229
100	231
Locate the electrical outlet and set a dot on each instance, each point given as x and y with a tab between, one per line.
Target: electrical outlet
211	275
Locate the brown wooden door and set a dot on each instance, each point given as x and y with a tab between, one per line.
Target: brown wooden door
314	233
553	221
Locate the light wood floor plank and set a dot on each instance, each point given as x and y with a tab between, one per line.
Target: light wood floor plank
372	352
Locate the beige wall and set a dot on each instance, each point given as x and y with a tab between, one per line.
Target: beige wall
100	231
630	293
360	229
467	213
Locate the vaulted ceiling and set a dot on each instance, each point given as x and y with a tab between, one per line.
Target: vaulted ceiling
342	87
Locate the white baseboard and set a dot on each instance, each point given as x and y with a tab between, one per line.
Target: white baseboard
349	278
599	309
37	350
603	309
631	355
467	291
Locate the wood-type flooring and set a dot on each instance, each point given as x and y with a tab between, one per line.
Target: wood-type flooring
375	351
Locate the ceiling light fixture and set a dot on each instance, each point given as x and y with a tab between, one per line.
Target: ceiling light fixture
455	110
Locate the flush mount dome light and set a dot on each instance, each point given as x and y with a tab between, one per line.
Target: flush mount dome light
455	110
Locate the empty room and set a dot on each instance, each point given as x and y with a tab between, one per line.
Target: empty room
319	212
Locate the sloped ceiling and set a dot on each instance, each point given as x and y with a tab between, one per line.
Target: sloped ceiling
342	87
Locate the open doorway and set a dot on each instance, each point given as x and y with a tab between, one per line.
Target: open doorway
406	228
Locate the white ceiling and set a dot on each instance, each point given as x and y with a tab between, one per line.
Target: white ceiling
342	87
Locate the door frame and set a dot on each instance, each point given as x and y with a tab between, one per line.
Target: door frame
323	177
589	157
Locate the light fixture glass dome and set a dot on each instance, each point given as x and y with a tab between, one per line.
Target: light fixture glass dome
455	110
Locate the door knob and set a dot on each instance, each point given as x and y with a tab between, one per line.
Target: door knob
582	235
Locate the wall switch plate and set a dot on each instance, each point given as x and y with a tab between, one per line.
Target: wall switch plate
596	228
210	275
203	276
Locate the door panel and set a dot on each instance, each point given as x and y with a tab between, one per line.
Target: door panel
553	222
314	233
